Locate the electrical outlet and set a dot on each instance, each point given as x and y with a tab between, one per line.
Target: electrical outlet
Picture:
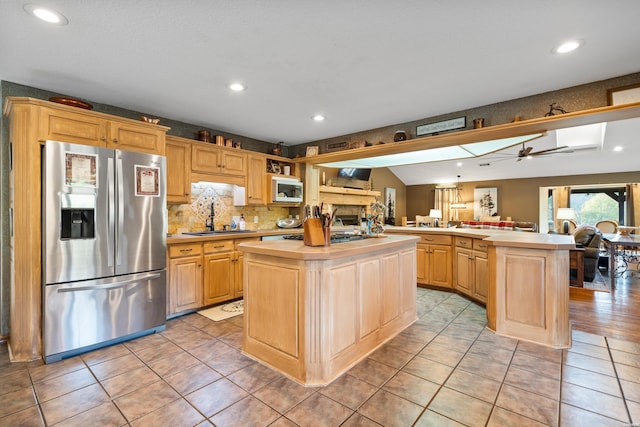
255	219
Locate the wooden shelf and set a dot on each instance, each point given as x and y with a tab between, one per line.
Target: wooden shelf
347	196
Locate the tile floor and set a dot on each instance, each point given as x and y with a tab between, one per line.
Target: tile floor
444	370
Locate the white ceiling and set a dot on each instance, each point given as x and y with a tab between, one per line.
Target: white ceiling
362	63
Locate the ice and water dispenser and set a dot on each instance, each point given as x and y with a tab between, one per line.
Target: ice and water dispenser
78	216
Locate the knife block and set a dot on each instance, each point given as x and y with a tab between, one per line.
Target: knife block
313	235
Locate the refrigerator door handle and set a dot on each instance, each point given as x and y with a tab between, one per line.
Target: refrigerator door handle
115	285
110	212
120	182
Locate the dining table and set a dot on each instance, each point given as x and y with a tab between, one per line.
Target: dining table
623	251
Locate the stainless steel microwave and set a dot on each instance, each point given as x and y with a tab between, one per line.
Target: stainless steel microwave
286	190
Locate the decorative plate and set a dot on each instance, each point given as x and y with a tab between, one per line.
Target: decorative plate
71	102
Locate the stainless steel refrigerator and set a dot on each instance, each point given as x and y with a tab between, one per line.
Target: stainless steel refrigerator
103	247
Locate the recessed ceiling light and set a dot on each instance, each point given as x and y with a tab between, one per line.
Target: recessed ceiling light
459	164
318	118
237	87
47	15
568	46
617	148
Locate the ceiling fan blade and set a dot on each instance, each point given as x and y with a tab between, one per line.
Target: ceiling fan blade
549	150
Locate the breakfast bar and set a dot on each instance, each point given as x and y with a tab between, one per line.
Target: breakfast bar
312	313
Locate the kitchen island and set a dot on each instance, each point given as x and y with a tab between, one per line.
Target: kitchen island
312	313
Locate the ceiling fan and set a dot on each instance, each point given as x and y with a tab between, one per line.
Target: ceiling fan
527	152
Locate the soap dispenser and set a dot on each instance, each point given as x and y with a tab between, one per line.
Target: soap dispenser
243	223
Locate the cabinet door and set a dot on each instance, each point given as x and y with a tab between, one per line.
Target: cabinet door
257	181
481	277
238	275
463	271
205	158
140	138
78	128
185	284
178	172
218	278
440	266
234	163
421	264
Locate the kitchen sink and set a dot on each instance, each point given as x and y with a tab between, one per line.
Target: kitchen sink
217	232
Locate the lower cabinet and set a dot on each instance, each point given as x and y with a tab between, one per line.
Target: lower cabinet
471	268
433	257
185	277
204	273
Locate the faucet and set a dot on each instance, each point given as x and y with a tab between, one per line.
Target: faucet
209	224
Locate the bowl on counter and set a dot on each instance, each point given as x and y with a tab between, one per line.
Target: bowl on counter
625	230
288	223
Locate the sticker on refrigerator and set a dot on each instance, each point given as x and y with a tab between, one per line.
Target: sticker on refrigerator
147	181
81	170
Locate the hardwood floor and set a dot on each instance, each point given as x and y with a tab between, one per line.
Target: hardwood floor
615	314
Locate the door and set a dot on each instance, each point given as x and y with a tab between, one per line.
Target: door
78	240
141	220
218	278
464	271
185	283
178	172
86	313
440	265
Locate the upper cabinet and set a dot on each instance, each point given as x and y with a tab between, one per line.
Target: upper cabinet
178	171
63	123
210	158
256	181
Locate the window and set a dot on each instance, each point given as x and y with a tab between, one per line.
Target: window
594	204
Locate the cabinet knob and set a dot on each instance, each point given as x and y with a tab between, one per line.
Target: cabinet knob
199	265
115	140
103	138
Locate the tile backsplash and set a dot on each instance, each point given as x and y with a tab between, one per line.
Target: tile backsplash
193	217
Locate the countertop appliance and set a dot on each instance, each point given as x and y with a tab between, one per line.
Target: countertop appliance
103	247
286	190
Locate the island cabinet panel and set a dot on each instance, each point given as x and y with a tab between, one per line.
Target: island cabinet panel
313	319
343	295
529	292
391	307
370	297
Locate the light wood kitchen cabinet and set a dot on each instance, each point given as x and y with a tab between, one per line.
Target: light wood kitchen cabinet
185	277
218	271
178	171
433	260
471	268
257	180
58	123
210	158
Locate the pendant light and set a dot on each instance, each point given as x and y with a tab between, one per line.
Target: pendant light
457	202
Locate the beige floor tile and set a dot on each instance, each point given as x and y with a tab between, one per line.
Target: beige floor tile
105	415
355	420
530	405
193	378
489	351
143	401
16	400
147	341
254	377
175	414
283	394
453	343
388	409
391	356
63	384
16	380
442	354
375	373
571	416
192	339
591	400
412	388
531	381
498	341
246	412
460	407
104	354
117	366
428	369
74	403
29	417
319	410
433	419
406	343
537	365
474	385
349	391
129	381
501	417
216	396
482	366
172	364
592	380
163	349
540	351
45	372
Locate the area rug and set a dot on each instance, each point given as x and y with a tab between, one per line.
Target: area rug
599	284
222	312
